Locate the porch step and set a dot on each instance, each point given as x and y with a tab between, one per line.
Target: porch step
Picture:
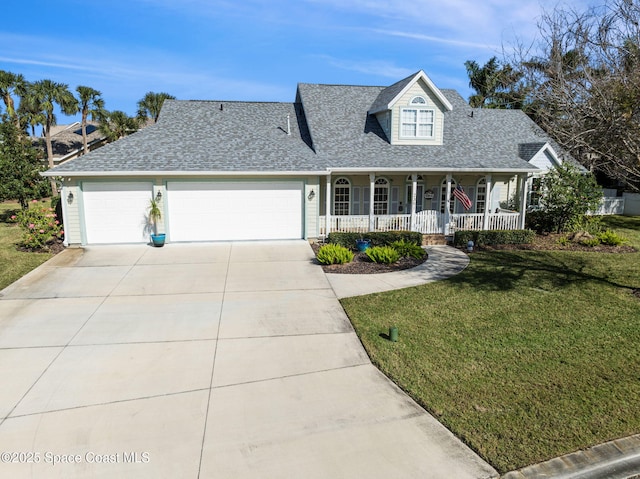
432	240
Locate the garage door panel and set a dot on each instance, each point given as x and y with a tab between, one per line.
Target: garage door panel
201	211
116	212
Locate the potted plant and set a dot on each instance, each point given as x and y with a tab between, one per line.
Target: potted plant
155	214
363	244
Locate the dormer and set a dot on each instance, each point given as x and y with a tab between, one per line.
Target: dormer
540	155
411	111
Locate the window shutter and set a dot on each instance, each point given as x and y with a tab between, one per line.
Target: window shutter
395	195
365	200
471	193
355	200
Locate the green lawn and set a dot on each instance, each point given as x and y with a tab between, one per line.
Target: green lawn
13	263
525	355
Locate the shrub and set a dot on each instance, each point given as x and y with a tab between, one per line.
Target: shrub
591	242
334	254
40	225
493	237
406	249
377	238
610	238
563	240
383	254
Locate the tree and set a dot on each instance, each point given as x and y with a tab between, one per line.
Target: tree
11	84
568	194
584	86
149	107
117	124
42	96
492	83
19	167
90	103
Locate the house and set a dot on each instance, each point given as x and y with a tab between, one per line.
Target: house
66	140
338	158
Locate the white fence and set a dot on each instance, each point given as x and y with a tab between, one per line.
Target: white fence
609	206
425	222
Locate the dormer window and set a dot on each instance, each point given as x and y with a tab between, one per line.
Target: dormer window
417	122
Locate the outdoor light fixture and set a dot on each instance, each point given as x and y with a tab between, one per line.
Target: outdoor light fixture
70	198
312	195
158	195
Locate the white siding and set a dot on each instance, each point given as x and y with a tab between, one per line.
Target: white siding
418	89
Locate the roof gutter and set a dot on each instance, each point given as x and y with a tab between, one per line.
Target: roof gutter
161	173
531	169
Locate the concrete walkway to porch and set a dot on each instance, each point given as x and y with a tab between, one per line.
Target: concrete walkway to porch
443	262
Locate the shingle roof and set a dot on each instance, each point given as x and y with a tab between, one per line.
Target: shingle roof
329	129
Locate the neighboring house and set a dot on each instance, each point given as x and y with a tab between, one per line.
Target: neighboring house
339	158
66	141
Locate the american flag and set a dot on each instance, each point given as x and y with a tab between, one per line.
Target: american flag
459	193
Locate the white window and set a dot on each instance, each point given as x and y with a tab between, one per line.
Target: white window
417	123
341	196
381	197
481	195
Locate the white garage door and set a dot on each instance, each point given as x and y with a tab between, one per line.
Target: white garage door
209	211
116	212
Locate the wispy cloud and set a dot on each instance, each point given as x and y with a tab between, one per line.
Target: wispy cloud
434	39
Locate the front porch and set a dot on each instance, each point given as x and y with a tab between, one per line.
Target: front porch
424	203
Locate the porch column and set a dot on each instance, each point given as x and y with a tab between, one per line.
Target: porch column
414	197
522	184
447	202
327	208
487	203
372	185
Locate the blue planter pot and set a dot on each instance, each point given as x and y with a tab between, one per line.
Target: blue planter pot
158	240
363	245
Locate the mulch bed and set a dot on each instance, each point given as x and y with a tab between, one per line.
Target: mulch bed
53	247
361	264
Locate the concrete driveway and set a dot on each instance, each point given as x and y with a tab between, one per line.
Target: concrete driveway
228	360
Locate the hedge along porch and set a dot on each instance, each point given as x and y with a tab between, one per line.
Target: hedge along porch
418	202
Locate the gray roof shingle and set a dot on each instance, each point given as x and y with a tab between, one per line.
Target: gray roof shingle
329	129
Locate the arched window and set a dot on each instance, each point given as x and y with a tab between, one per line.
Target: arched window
418	100
443	195
417	121
341	196
481	195
381	197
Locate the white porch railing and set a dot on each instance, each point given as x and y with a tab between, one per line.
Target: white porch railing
426	222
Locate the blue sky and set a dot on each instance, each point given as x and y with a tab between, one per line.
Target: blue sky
255	49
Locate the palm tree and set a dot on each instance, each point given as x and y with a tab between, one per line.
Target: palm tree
149	107
11	84
42	96
491	83
118	124
90	103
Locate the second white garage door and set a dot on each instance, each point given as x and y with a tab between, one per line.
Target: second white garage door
229	210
